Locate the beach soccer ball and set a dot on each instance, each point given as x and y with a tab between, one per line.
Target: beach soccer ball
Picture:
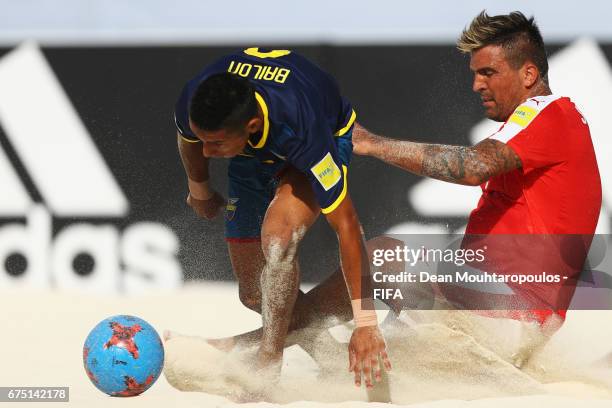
123	356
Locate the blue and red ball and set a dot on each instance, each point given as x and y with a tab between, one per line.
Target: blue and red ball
123	356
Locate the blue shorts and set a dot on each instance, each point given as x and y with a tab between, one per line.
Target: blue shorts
252	185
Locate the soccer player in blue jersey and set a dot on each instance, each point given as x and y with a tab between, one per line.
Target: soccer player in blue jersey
286	129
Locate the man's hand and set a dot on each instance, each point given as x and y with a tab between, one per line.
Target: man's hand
208	208
365	347
363	140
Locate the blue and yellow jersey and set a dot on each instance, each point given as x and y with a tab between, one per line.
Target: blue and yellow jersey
305	117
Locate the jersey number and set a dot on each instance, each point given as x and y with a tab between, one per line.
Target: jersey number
254	52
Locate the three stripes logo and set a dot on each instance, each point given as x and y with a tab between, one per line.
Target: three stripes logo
61	167
55	146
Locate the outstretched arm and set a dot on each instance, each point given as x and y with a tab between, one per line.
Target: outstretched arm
367	343
468	165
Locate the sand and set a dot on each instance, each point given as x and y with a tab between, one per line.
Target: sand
436	364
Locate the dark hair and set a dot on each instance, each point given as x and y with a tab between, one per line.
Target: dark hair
518	35
223	101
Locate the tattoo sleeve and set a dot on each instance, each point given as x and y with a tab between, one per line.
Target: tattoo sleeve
469	165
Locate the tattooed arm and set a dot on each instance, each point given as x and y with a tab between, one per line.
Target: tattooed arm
468	165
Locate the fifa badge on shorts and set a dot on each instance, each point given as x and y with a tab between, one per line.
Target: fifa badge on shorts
230	208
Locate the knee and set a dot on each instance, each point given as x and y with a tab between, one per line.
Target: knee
281	248
251	299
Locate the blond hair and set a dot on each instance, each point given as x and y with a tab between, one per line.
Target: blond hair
518	35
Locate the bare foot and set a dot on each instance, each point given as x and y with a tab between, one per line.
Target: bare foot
225	344
168	334
268	365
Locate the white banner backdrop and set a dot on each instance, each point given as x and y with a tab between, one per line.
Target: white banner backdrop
138	22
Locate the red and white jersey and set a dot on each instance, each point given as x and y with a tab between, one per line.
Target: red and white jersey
558	188
556	192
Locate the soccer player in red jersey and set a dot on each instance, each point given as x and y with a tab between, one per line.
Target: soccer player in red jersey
538	172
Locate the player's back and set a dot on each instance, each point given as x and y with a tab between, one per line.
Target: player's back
580	183
306	122
295	90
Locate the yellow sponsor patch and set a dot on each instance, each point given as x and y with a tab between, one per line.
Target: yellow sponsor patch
523	115
327	172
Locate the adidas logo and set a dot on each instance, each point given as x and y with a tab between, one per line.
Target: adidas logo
580	71
73	180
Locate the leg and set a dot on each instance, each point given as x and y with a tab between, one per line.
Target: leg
324	306
289	216
331	296
248	261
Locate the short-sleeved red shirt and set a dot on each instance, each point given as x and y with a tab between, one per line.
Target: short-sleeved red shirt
558	188
556	192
